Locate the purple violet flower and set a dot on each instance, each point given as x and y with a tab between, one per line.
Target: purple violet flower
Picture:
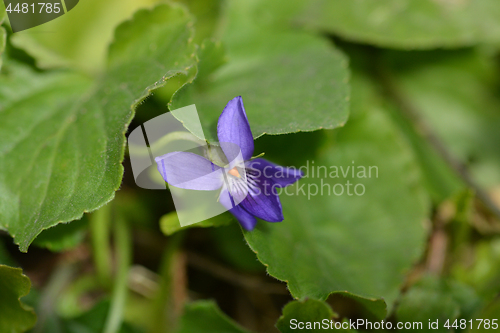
247	185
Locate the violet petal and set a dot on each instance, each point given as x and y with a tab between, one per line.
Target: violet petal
281	176
247	220
189	171
262	199
233	131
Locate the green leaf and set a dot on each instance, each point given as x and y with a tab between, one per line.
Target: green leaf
304	311
80	37
289	81
169	223
468	115
363	244
206	317
14	315
63	135
63	237
407	24
207	14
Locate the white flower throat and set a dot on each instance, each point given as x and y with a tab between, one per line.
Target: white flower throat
243	185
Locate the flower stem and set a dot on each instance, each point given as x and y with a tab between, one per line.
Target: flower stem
163	302
123	251
99	230
260	155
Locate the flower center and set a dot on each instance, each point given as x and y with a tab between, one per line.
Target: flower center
238	185
234	172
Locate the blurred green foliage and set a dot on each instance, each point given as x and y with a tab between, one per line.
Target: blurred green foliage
15	316
409	88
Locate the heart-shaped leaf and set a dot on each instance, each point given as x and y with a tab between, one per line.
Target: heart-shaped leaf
62	135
